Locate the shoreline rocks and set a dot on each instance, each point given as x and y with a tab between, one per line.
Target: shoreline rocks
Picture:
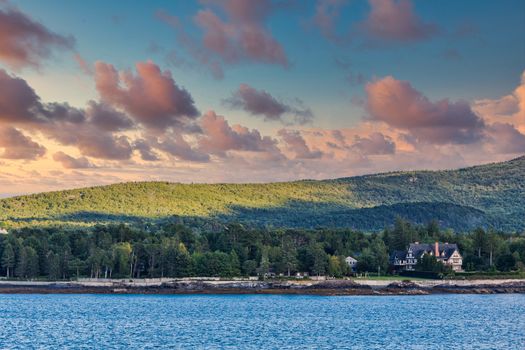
202	286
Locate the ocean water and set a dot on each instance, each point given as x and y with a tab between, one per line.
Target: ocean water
262	322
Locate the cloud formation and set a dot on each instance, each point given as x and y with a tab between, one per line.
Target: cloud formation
296	144
90	130
240	36
175	145
219	138
18	101
69	162
395	21
399	105
507	109
504	138
145	150
243	35
83	64
374	144
18	146
25	42
107	118
261	103
151	96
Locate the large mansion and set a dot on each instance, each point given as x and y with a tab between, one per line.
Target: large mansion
447	253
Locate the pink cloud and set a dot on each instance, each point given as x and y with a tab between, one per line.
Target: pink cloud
69	162
396	21
90	130
261	103
295	143
18	146
199	53
399	105
90	140
244	36
504	138
374	144
25	42
175	145
83	64
220	137
240	36
507	109
152	97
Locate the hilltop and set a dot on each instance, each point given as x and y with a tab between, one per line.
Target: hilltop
485	195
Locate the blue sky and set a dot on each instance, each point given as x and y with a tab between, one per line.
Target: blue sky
491	56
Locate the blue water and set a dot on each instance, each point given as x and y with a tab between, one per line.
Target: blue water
262	322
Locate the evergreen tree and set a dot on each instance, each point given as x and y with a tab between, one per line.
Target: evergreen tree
21	263
320	260
54	266
32	267
8	259
289	256
480	240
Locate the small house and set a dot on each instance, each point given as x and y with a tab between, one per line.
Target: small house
351	262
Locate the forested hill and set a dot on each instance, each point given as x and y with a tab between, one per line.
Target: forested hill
486	195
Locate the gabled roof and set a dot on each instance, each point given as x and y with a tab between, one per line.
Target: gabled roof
398	254
419	249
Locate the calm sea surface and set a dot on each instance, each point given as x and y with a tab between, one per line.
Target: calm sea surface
262	322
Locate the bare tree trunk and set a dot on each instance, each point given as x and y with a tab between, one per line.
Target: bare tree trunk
135	267
151	265
131	266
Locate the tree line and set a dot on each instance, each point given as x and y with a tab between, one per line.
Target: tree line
174	250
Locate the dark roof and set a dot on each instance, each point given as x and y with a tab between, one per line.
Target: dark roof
398	254
418	249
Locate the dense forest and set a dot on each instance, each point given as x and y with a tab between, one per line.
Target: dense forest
172	250
490	195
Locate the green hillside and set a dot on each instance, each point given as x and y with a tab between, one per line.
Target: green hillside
487	195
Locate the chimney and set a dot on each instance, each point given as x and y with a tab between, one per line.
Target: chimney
436	249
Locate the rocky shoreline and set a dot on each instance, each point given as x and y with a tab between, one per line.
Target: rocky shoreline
213	286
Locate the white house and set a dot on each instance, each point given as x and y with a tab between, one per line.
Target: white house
351	262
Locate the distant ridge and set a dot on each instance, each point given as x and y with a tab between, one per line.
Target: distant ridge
484	195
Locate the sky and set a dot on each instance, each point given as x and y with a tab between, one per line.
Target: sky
207	91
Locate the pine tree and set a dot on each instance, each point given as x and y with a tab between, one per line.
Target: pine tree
21	264
54	266
32	267
8	259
